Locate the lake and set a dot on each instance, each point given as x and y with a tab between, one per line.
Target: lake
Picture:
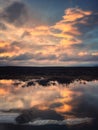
42	103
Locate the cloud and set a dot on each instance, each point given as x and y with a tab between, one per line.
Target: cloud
8	51
41	56
15	13
25	56
46	44
36	56
69	32
3	58
2	26
73	14
81	57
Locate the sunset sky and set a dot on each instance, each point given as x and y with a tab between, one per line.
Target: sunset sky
48	32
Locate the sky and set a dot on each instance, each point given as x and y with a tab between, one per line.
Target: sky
48	32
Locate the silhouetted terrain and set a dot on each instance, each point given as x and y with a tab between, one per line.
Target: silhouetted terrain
60	74
47	127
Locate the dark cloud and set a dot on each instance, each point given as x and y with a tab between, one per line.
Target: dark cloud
2	26
92	58
78	46
25	34
17	44
65	57
2	50
3	58
20	44
85	58
16	13
8	48
40	56
25	56
56	105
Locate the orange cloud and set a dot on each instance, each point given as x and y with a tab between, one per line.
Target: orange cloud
67	27
3	43
68	42
38	31
73	14
9	51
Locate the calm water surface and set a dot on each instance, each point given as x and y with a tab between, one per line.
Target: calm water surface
59	104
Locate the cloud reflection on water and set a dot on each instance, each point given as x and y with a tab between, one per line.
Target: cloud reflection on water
62	98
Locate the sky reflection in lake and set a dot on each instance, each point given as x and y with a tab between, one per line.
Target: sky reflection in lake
78	99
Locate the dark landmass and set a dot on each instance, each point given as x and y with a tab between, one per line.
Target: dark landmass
4	126
60	74
30	127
